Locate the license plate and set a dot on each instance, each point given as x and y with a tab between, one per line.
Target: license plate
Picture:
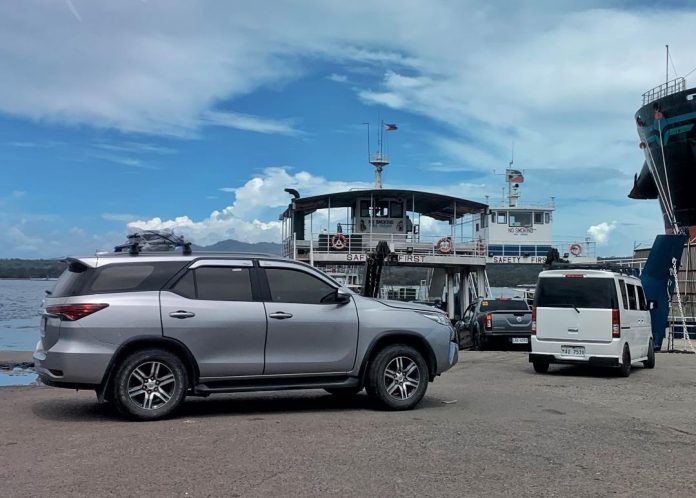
520	340
573	350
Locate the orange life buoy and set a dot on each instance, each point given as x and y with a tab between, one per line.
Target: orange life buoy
338	242
575	249
444	245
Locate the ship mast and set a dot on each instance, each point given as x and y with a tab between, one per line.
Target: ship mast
379	159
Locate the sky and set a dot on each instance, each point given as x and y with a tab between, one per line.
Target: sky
195	115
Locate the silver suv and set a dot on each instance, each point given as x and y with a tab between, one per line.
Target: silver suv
144	331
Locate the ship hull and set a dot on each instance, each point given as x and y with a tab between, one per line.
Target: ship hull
667	131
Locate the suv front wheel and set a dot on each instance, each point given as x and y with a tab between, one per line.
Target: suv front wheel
397	377
149	385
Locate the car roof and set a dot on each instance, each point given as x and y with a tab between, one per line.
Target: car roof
101	259
587	273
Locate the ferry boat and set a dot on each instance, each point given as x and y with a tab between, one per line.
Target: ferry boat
516	233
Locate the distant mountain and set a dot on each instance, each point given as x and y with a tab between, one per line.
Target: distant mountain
231	245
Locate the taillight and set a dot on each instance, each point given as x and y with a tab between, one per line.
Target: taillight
533	320
489	322
72	312
615	323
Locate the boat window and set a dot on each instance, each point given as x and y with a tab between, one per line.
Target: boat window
624	296
547	218
364	209
502	218
493	217
396	209
538	218
521	219
632	303
484	221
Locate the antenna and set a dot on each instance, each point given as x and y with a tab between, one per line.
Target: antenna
379	160
667	65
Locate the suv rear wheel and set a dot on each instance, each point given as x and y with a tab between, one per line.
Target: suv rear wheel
149	385
397	377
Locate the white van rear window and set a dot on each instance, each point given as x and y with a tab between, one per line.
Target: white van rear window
577	292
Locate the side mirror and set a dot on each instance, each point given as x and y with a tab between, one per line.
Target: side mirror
652	304
342	297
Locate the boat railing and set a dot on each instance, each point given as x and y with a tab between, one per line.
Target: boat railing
585	249
668	88
363	243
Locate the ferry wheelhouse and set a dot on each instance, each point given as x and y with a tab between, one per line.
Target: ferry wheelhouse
516	233
346	230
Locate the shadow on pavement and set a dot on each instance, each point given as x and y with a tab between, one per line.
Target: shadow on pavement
587	371
86	410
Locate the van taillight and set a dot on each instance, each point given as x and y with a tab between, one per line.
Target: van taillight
489	322
72	312
533	320
615	323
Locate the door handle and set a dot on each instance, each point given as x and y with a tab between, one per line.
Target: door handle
181	314
573	329
280	315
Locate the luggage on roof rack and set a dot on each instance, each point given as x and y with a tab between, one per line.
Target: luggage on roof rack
154	240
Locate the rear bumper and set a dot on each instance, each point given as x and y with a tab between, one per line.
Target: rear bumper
595	361
596	353
71	364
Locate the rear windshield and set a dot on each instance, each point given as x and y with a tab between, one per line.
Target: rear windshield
81	280
579	292
504	305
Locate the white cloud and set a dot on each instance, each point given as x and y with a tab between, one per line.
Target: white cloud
337	78
248	122
600	233
122	217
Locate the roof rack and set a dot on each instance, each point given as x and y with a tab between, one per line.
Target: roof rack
624	270
154	240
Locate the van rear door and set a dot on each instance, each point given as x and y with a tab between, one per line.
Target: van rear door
575	307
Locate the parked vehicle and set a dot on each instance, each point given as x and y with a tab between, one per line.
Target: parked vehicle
144	331
592	317
488	320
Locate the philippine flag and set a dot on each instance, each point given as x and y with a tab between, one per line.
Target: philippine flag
515	176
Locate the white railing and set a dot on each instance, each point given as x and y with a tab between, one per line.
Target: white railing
540	248
362	243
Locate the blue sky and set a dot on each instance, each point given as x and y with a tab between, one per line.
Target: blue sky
196	115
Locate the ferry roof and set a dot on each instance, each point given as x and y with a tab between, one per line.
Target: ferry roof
437	206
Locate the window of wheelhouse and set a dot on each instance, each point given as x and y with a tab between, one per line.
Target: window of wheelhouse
502	217
538	218
381	209
521	219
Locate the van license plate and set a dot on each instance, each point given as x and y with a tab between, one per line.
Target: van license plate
573	350
520	340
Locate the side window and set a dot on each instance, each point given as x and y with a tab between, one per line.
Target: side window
538	218
223	284
121	277
632	303
642	304
294	286
624	296
502	218
186	286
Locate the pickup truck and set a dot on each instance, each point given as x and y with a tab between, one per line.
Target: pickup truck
487	320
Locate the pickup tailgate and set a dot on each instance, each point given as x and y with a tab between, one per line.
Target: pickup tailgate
512	322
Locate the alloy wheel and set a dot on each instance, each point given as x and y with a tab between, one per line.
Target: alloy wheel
401	377
151	385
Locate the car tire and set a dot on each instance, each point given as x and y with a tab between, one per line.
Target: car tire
625	368
149	384
650	362
397	377
541	367
344	392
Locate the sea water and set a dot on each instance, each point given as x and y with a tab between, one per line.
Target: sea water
20	314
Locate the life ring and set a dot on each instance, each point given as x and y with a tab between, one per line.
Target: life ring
444	245
338	241
575	249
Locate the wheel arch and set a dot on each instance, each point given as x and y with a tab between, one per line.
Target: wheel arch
144	342
400	337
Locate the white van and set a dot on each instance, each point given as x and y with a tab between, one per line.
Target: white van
592	317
